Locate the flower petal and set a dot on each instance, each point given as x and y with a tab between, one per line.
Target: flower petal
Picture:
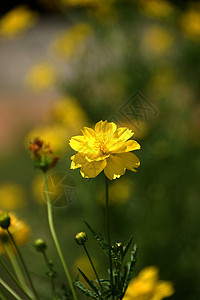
132	145
89	133
93	168
115	167
123	133
80	144
105	129
130	160
77	161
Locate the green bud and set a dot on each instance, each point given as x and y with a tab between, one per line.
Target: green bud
81	238
40	245
4	220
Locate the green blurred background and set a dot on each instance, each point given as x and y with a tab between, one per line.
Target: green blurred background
69	63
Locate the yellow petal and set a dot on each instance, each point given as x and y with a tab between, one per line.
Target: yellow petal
130	160
163	289
96	156
123	133
93	168
115	167
105	129
77	161
132	145
80	144
116	146
89	133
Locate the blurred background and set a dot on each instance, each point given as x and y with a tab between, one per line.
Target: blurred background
66	64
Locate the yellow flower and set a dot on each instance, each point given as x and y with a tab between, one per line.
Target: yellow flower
156	8
19	230
146	286
190	23
71	41
157	40
120	192
105	148
41	76
17	21
12	196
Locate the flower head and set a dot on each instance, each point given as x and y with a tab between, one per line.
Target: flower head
19	230
104	148
42	154
146	286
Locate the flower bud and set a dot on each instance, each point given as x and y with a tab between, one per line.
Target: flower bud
81	238
40	245
4	220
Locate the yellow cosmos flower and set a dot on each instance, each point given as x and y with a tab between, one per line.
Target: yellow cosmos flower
104	148
19	230
41	77
146	286
17	21
156	8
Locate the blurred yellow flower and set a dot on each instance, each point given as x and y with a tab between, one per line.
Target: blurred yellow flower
17	21
119	192
19	230
55	135
190	23
147	286
83	263
12	196
80	2
66	110
156	8
71	41
105	148
41	76
156	40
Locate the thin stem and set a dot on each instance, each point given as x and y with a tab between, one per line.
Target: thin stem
14	279
50	269
8	288
54	236
16	266
24	265
108	238
93	267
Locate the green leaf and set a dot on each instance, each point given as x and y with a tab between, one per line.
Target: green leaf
90	283
85	291
100	239
131	266
127	247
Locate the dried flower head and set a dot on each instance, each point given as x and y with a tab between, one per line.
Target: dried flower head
42	154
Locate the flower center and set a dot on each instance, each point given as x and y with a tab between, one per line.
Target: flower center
100	145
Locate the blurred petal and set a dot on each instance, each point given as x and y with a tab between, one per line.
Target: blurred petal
77	161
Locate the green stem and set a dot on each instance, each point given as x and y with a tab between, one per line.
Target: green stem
93	267
54	236
14	279
24	265
108	238
16	266
50	269
8	288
